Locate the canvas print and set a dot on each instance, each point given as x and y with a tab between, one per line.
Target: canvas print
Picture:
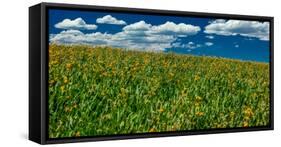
115	73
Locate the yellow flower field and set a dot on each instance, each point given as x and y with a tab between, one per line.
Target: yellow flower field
104	91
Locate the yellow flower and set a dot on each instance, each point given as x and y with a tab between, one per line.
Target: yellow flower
68	66
254	95
54	62
62	88
245	124
232	114
67	109
199	113
198	98
219	126
104	74
196	77
152	130
246	117
248	112
77	134
51	82
161	110
123	92
171	74
65	80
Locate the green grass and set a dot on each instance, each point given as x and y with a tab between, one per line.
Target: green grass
105	91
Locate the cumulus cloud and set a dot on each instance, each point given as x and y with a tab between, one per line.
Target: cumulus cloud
190	45
255	29
139	35
150	43
72	32
138	28
76	24
108	19
209	43
177	44
78	37
210	37
170	28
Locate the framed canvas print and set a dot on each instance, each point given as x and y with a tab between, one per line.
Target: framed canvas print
100	73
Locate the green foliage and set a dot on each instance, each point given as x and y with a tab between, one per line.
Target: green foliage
105	91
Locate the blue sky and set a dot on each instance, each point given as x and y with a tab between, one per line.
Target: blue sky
235	39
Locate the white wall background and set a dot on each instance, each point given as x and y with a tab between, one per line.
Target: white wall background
14	71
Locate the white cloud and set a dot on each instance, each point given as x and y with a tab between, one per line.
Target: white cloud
72	32
77	37
210	37
138	28
190	45
116	40
218	21
108	19
209	43
255	29
76	24
170	28
177	44
139	35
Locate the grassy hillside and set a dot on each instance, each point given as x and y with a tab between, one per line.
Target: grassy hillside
104	91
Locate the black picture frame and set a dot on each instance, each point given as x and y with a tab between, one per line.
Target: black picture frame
38	72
